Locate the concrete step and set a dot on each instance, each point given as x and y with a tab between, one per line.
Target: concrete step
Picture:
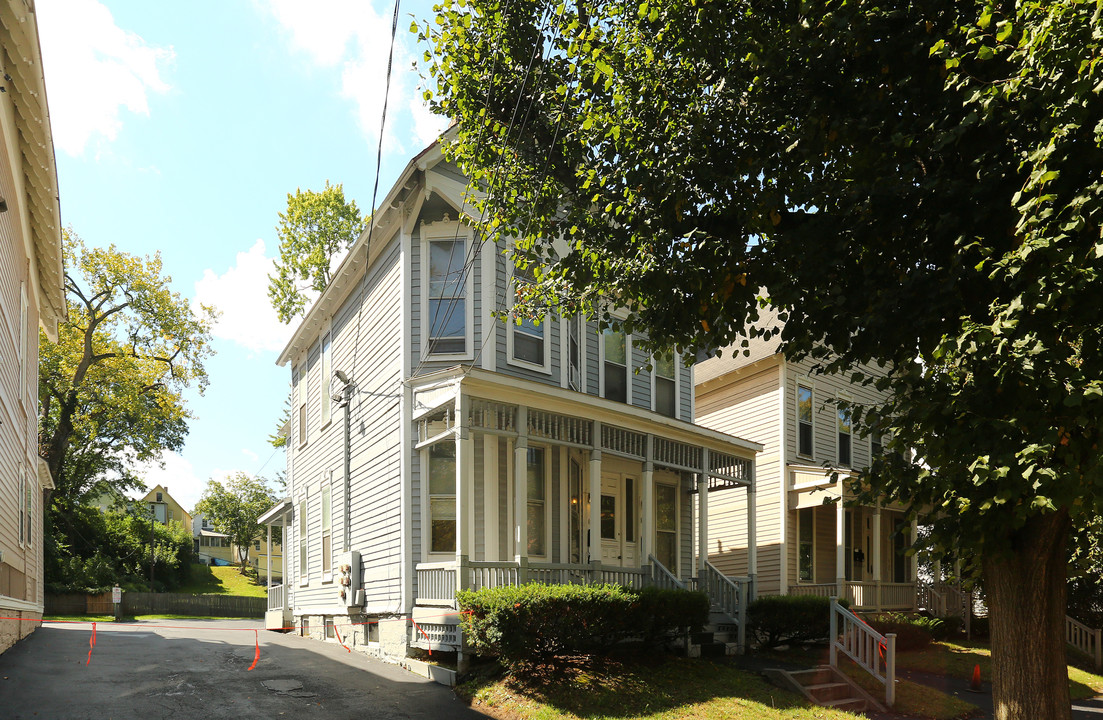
828	691
853	705
815	676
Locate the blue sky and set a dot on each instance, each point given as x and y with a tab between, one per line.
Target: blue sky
181	127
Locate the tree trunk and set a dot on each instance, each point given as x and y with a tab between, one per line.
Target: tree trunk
1026	591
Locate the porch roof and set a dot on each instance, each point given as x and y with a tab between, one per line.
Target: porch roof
275	511
507	389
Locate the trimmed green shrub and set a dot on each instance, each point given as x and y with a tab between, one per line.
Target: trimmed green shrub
912	632
777	619
532	622
978	627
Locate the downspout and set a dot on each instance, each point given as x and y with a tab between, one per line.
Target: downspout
346	401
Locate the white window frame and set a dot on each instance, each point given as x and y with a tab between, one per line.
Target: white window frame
451	231
676	358
326	495
302	409
810	386
426	506
325	360
547	450
838	432
677	570
577	321
303	533
627	365
545	326
23	510
24	341
812	513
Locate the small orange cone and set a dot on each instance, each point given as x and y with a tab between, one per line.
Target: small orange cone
974	684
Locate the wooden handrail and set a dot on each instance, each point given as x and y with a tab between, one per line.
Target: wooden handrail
1085	639
661	577
869	649
731	595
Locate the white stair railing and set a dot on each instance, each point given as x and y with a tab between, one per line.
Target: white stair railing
1085	639
663	578
873	652
730	595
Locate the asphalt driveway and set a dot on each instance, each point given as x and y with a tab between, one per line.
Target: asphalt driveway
198	669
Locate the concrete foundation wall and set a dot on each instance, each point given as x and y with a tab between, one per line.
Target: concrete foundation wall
12	631
382	637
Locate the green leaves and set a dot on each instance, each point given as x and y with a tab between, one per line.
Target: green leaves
233	506
315	227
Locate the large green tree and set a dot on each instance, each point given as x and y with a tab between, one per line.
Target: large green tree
233	505
316	227
111	389
916	183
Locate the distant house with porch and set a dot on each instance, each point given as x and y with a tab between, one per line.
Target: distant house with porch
808	542
164	508
434	447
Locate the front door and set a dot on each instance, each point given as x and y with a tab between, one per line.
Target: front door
619	520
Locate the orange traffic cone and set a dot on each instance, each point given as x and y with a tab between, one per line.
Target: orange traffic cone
974	684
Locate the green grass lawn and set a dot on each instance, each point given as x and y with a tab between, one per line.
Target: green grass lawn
658	688
955	659
206	580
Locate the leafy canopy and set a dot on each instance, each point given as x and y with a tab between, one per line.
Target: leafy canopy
233	507
316	227
111	388
916	184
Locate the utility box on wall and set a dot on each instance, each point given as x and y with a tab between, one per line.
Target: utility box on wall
349	592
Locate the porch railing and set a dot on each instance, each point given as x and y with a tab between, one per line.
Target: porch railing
873	652
868	595
663	578
276	600
730	595
437	583
1085	639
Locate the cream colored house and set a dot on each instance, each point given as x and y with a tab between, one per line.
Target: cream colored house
164	507
32	296
808	543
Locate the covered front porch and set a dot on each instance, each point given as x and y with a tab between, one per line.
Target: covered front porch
852	552
560	488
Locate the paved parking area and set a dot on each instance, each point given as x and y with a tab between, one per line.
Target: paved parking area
197	669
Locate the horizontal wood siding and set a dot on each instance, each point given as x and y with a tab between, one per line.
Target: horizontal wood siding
365	345
21	569
748	408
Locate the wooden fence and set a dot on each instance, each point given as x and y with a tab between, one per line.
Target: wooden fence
136	603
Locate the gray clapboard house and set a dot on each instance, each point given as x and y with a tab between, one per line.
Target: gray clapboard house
434	447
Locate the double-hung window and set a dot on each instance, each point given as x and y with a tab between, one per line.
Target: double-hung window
615	365
23	342
805	540
574	353
327	534
666	526
24	509
302	541
875	447
537	501
529	338
327	367
300	393
804	420
442	497
447	297
665	387
845	431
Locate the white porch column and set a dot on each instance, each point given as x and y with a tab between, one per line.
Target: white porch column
595	497
703	514
877	551
465	459
268	555
914	561
752	538
936	571
521	488
647	536
840	543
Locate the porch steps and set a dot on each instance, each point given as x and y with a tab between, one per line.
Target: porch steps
718	639
825	686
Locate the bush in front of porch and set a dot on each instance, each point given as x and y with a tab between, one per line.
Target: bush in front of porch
530	623
778	619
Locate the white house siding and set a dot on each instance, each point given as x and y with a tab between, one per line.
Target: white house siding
371	358
746	404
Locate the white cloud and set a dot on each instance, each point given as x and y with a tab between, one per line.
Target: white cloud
241	295
93	70
177	476
250	454
349	36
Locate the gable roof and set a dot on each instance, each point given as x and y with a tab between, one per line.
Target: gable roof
736	356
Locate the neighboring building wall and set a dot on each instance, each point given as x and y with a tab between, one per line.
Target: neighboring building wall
365	346
30	295
747	403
